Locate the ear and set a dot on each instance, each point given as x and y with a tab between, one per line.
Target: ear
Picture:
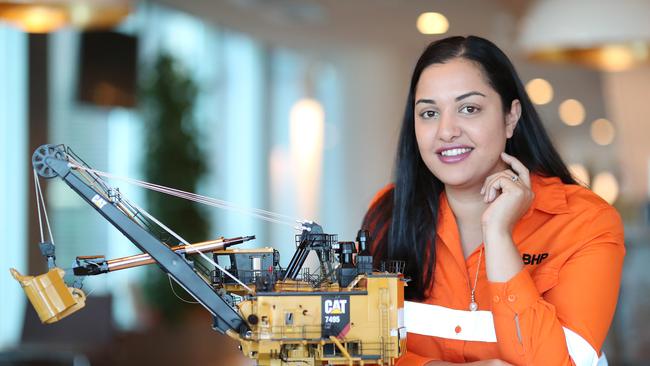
512	117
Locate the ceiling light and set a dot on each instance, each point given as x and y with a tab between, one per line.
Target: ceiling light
580	173
432	23
602	131
572	112
49	16
606	35
606	186
540	91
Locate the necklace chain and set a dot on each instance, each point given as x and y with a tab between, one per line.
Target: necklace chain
473	306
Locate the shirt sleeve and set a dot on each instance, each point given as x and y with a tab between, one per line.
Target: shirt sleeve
568	324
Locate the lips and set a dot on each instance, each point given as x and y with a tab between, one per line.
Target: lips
453	154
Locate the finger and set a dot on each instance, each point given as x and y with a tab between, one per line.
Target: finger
501	182
489	180
494	176
494	188
518	167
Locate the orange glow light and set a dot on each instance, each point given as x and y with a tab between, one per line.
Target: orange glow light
34	18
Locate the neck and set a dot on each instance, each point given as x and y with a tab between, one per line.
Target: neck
467	205
466	202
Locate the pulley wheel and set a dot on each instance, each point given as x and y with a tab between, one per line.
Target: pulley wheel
40	156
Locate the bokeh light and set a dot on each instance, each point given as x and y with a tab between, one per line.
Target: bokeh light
580	173
606	186
540	91
432	23
602	131
572	112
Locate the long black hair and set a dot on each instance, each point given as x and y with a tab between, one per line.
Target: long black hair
403	221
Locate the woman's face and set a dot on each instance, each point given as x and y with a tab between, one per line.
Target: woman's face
460	125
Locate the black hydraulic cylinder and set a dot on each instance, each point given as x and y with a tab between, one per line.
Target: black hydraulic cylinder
297	261
364	258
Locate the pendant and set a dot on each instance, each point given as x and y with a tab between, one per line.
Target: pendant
473	306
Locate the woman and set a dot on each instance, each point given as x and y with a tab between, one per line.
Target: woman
510	260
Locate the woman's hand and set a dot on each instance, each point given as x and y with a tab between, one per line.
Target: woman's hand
509	196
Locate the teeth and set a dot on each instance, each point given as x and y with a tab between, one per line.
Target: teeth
454	152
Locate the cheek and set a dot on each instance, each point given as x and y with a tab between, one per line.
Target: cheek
493	158
424	134
490	134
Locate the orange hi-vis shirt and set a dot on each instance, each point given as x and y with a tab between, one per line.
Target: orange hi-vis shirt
555	311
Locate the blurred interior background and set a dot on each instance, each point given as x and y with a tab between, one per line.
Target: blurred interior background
292	106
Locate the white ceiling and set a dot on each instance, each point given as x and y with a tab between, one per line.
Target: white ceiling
355	23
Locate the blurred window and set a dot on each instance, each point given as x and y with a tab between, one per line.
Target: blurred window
13	182
246	90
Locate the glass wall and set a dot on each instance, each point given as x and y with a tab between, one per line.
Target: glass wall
13	173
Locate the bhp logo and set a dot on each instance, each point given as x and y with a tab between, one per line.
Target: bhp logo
534	258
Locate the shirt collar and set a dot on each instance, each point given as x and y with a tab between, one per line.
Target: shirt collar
447	231
446	227
550	195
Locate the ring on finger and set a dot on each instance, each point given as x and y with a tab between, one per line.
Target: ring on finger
514	178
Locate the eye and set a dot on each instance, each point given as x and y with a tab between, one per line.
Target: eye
429	114
470	109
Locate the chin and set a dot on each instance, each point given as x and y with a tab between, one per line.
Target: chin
456	182
459	179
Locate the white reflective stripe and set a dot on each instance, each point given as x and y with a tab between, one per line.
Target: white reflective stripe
581	352
602	361
439	321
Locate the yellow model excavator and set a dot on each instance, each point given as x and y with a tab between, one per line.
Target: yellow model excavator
344	313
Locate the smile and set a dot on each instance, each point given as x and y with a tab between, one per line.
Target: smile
455	152
454	155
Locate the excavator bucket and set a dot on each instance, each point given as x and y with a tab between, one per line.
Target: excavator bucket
50	296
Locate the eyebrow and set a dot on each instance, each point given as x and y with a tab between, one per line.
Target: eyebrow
458	98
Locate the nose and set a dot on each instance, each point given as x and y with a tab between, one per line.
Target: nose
448	129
